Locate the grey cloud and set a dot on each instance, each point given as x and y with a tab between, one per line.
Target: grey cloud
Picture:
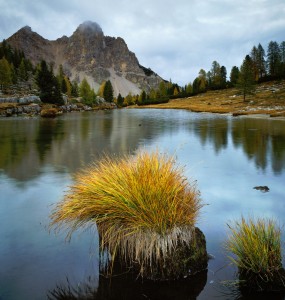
175	39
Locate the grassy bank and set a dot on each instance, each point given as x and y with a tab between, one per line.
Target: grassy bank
269	99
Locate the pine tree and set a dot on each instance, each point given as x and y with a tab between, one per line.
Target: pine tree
120	100
261	64
223	72
108	92
48	84
63	85
282	58
74	89
273	59
246	80
254	59
22	71
56	96
234	75
196	86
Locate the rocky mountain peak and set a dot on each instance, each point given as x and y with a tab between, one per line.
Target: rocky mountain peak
89	28
26	29
87	53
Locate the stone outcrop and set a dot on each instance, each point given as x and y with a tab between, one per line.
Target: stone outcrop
34	109
31	109
89	53
21	100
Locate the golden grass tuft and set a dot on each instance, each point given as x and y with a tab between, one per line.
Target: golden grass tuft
256	245
143	206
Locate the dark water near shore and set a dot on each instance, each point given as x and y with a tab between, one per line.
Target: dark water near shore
38	157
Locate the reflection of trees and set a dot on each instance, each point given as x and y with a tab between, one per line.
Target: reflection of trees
128	288
261	140
70	141
18	157
278	150
214	131
49	130
13	143
76	139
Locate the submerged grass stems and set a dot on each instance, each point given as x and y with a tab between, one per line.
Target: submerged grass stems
143	206
256	245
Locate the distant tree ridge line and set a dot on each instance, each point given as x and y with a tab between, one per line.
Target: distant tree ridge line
257	66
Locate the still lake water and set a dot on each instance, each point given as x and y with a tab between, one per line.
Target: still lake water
38	157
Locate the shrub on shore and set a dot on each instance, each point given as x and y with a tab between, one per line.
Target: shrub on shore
256	245
51	112
143	207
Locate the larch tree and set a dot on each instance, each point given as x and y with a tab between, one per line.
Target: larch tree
216	75
189	89
5	74
85	91
101	89
202	81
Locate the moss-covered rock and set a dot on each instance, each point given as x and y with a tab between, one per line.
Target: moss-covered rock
185	260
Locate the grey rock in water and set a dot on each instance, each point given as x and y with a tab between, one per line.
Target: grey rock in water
262	188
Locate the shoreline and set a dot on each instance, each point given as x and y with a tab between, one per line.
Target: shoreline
253	114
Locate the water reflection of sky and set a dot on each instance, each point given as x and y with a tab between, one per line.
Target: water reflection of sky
227	157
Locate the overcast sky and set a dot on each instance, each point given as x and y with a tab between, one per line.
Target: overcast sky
174	38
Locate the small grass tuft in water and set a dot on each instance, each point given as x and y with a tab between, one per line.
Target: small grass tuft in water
143	206
256	245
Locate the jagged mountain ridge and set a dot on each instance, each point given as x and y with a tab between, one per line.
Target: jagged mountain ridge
89	53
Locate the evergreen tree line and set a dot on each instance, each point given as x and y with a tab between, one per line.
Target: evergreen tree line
162	94
52	87
15	68
257	66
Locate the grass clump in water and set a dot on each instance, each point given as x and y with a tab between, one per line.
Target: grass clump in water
143	207
256	245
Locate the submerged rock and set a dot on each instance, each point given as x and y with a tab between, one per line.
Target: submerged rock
262	188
